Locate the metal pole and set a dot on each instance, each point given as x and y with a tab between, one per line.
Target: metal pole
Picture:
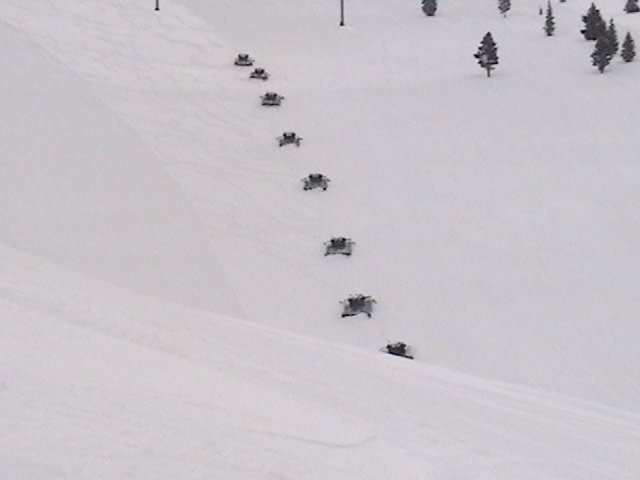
157	5
342	13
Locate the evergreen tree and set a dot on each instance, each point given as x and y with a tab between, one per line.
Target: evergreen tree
549	23
594	25
504	6
632	6
601	56
612	36
487	53
429	7
562	1
628	48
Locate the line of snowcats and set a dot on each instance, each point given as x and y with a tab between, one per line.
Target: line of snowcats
354	304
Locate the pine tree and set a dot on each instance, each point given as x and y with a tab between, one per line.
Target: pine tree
504	6
628	48
612	36
594	25
601	56
632	6
429	7
549	23
487	53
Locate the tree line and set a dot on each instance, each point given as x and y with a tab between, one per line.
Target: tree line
595	29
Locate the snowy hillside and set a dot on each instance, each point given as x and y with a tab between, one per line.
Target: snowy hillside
101	383
165	306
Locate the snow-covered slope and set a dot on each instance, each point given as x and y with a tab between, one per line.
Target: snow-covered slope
97	382
494	219
80	187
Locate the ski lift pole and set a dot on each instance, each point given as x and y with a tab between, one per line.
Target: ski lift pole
342	13
157	5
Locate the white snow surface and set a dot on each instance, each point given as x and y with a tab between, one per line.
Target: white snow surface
166	310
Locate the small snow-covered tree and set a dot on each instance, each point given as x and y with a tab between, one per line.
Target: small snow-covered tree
632	6
549	22
594	25
628	52
487	54
612	36
601	56
504	6
429	7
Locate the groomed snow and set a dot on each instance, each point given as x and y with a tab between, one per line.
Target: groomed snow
165	307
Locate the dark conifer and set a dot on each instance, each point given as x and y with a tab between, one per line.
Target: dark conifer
594	25
549	22
504	6
632	6
628	48
429	7
601	56
612	36
487	53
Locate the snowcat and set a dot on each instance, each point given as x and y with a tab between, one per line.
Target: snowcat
339	245
271	99
356	304
289	138
243	60
399	349
315	180
259	73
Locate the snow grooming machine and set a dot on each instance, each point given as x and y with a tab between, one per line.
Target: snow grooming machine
243	60
271	99
339	245
356	304
399	349
315	180
289	138
259	73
